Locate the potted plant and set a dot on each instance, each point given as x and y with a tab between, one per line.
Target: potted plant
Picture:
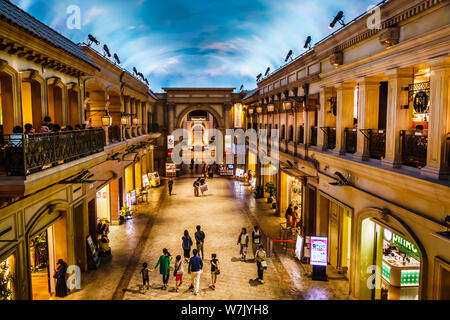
125	213
271	190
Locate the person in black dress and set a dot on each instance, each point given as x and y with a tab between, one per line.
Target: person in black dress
60	276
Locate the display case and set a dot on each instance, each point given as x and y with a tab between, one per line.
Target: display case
400	274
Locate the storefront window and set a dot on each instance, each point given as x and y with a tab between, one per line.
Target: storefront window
396	260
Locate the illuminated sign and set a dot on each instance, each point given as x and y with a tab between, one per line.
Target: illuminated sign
319	251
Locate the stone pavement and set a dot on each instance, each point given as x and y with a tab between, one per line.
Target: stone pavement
222	212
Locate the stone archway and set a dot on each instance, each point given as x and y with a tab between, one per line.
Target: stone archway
209	109
393	221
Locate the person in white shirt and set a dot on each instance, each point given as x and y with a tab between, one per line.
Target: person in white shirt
243	242
256	239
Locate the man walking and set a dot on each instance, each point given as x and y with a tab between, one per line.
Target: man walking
170	183
200	239
195	269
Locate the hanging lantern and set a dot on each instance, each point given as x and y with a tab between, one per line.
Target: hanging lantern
107	120
135	121
124	120
287	105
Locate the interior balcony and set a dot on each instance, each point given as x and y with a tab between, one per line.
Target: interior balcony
350	140
330	137
375	140
22	155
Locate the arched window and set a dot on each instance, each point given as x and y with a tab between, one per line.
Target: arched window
291	133
283	132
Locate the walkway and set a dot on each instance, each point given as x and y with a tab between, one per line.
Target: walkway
222	212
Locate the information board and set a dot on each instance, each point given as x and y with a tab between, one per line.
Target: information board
319	251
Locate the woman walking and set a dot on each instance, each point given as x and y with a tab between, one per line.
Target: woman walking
256	240
243	242
186	244
261	263
178	272
164	267
214	270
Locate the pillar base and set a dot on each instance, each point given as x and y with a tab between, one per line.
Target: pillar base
361	156
435	173
391	163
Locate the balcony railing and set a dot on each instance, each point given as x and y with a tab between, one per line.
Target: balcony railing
21	155
350	140
414	148
114	134
330	136
376	139
314	136
301	134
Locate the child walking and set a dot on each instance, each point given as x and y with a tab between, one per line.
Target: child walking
145	276
178	272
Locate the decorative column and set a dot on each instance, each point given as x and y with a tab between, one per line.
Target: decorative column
367	114
398	118
171	119
344	114
323	117
439	126
226	109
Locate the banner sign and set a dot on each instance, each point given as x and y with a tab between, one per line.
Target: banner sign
299	247
319	251
227	144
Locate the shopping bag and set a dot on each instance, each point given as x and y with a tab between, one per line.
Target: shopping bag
204	188
264	264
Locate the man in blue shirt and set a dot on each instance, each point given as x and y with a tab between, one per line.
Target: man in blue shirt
195	268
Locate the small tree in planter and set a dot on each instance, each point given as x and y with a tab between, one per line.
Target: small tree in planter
271	190
125	213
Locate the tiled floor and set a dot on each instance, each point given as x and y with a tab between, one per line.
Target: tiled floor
222	212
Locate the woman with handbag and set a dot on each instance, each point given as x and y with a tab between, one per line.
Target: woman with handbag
178	272
261	263
164	267
214	270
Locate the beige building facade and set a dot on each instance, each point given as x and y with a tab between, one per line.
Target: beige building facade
371	105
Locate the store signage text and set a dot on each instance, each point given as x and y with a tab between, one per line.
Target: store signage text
403	243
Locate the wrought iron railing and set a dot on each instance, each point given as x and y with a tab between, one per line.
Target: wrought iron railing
350	140
114	134
314	136
414	148
21	155
330	136
376	141
301	134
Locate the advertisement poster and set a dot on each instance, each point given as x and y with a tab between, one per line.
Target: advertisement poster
133	197
319	251
145	180
170	142
299	247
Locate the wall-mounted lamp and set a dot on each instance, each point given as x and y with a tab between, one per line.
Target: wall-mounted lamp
106	119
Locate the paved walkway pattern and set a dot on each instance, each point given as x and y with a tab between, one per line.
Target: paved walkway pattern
222	212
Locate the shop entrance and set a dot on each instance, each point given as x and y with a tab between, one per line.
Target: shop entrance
103	204
396	261
46	248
